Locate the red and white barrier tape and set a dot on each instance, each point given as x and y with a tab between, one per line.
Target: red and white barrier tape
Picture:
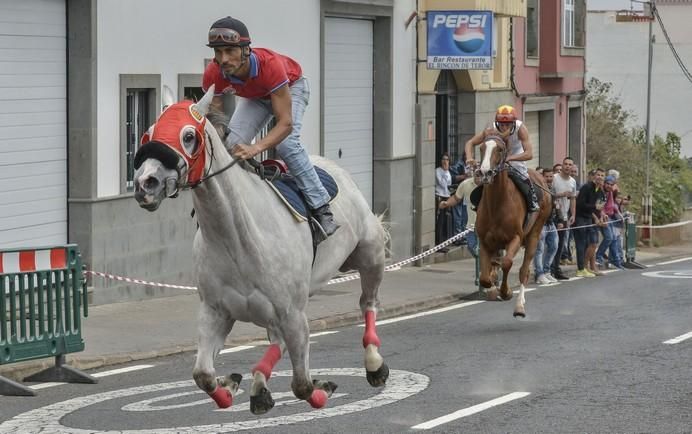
354	276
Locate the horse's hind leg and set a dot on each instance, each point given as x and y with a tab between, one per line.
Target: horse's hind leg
261	400
214	326
529	251
376	370
296	332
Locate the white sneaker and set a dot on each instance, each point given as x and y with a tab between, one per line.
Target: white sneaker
542	279
551	278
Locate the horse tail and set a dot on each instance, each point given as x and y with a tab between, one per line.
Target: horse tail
386	233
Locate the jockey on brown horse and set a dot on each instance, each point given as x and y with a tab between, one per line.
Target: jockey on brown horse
515	133
502	222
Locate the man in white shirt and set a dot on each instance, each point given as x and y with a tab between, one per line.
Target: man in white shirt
463	192
565	188
443	179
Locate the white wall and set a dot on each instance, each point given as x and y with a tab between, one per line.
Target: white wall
168	37
404	86
618	53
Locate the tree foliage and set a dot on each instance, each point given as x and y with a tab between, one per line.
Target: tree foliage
612	144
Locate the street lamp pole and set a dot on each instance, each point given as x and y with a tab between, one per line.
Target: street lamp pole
647	199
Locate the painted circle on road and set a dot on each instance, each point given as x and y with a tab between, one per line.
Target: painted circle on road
672	274
401	385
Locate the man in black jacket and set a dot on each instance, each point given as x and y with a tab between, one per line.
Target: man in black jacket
590	201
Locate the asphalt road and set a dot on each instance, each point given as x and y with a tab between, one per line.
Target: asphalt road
592	355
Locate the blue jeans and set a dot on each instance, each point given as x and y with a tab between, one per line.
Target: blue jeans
545	250
607	244
460	217
472	243
251	115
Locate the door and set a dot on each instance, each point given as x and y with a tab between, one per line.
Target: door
348	98
33	123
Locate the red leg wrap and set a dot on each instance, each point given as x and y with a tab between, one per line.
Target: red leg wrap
370	335
269	360
222	397
318	399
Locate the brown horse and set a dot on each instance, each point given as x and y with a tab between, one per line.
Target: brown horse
500	222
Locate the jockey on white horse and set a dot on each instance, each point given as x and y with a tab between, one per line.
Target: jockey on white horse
271	85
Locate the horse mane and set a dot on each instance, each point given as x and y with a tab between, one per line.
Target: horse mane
219	120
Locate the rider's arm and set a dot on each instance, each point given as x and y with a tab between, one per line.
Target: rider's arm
451	202
471	143
281	105
528	147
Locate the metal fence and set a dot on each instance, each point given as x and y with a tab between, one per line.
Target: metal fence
42	298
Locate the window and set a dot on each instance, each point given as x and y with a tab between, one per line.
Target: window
139	105
573	23
532	20
136	124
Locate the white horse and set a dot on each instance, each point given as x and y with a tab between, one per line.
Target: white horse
253	260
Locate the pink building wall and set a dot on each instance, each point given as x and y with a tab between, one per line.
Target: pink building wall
556	74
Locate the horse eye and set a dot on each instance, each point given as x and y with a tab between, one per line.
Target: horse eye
189	140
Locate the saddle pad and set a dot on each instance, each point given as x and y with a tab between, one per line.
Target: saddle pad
288	191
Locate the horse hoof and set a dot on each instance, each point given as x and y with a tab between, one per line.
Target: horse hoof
328	386
491	294
520	313
230	382
506	296
262	402
379	377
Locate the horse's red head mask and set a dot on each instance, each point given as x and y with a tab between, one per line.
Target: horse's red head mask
180	129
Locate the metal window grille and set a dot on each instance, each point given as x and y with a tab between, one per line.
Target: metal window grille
137	124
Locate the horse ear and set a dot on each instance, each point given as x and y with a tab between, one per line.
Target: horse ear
167	99
204	103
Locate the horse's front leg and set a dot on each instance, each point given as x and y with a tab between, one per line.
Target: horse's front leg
296	333
506	264
261	400
214	326
486	279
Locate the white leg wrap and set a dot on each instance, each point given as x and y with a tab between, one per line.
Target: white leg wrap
373	359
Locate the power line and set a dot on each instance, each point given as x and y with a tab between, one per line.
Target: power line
679	61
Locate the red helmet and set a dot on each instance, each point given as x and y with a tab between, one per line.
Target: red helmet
505	113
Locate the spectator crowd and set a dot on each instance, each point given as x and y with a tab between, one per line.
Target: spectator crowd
585	226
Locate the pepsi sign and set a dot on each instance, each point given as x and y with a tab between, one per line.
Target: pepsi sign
460	39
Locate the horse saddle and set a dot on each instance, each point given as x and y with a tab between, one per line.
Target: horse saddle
285	186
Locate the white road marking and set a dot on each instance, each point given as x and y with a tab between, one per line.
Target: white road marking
470	410
401	385
679	339
430	312
330	332
259	343
236	349
669	274
675	261
96	375
45	385
121	370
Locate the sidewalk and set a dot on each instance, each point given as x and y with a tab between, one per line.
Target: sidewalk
124	332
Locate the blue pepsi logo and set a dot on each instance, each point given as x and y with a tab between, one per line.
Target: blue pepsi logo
468	39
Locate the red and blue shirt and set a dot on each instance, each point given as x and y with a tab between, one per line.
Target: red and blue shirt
268	72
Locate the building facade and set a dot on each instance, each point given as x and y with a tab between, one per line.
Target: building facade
538	67
109	62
